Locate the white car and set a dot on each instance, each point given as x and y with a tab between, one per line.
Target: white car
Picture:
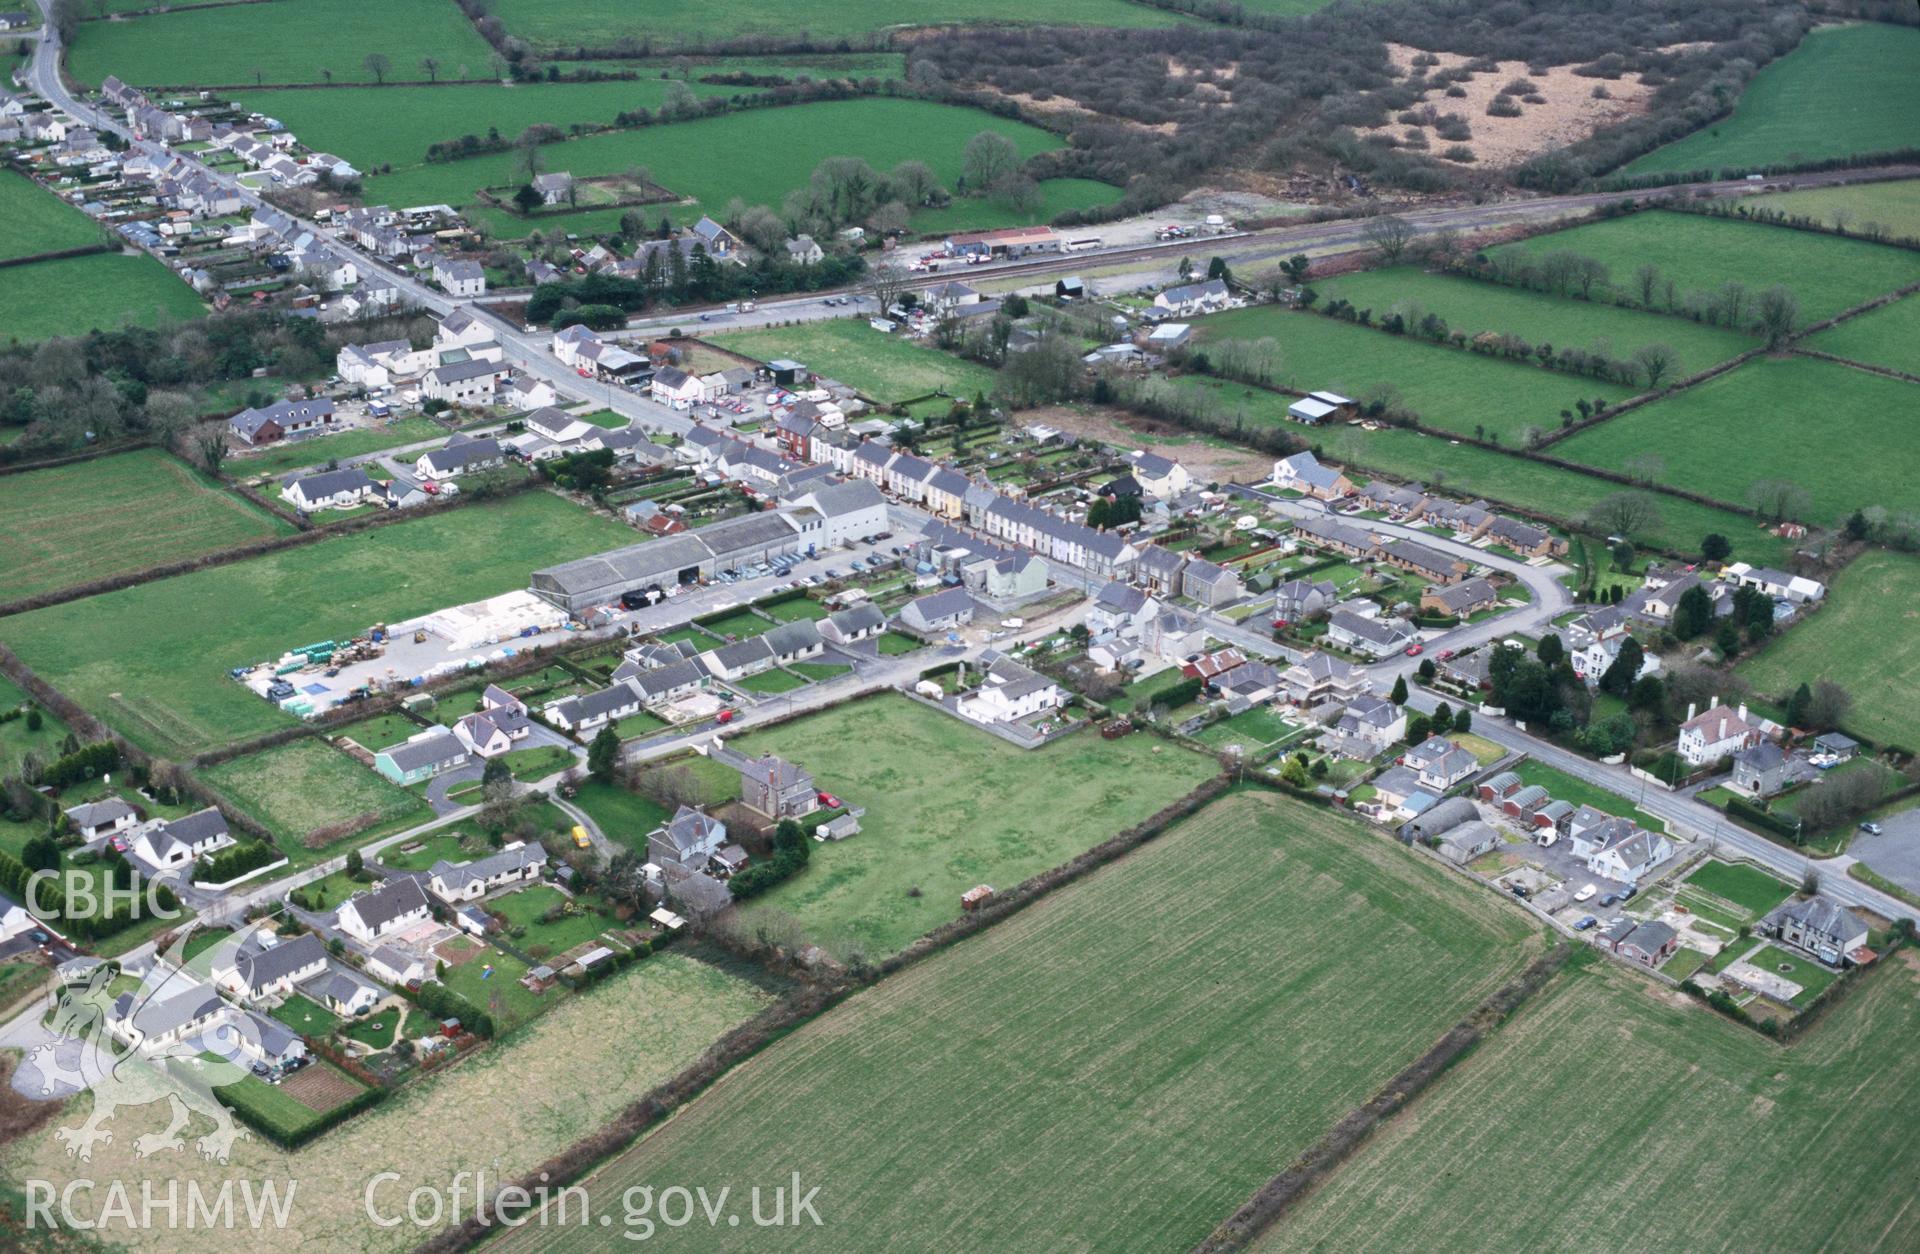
1585	894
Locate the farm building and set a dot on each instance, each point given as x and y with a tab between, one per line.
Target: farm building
679	559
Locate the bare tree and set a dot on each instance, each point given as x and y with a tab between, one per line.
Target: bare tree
1644	467
432	66
988	158
1625	514
1776	315
1656	362
1647	280
1778	499
1389	235
213	451
377	64
889	280
915	182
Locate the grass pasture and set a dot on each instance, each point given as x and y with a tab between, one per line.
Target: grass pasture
885	368
1140	1036
1750	424
948	807
1888	336
98	292
1827	273
1714	1117
604	23
1845	89
283	41
1475	307
668	1009
1866	639
1465	470
307	785
94	519
1449	388
151	660
787	144
1894	204
34	220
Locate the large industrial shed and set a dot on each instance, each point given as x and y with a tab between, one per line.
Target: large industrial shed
600	580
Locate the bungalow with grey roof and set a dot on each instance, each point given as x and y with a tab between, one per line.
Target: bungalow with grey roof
1460	600
259	969
516	863
458	457
177	842
592	710
94	819
860	622
265	424
1648	943
939	611
1302	472
330	489
1423	561
1374	637
421	757
394	906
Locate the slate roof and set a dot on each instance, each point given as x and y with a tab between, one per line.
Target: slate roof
431	750
392	900
1822	915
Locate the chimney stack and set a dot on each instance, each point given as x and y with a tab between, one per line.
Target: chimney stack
1690	711
1743	711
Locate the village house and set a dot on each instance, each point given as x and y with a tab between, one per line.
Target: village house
492	733
1524	538
1008	692
460	278
1391	499
1159	570
776	789
1632	859
96	819
1121	609
802	251
1192	299
1759	771
1303	472
1423	561
1173	635
1373	721
1210	585
1340	538
1160	478
860	622
1297	600
259	969
1648	943
1439	763
555	187
421	757
1778	584
1718	733
1320	677
690	839
939	611
516	863
472	384
394	906
331	489
1461	600
1820	927
1369	635
458	457
175	843
590	711
183	1009
280	419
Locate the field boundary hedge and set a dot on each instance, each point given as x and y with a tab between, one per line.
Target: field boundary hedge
1280	1193
1868	367
1647	398
84	250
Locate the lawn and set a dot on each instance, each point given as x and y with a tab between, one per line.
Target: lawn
1117	1066
309	786
16	738
1809	975
1888	336
1139	695
376	1030
795	610
949	807
607	23
1467	471
1253	729
1748	887
1750	424
739	624
33	220
381	732
1827	273
455	846
152	660
491	980
1449	388
769	683
893	644
787	144
668	1010
277	459
625	817
284	41
1845	89
884	368
1894	204
1547	1127
306	1017
1850	642
538	762
1474	307
94	519
818	671
99	292
271	1105
523	909
1565	787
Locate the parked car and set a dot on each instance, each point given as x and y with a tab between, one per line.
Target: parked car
1586	923
1519	890
1415	650
1586	894
1611	899
828	800
1871	829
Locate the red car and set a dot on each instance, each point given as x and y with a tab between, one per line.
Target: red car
1446	655
828	800
726	716
1279	623
1415	650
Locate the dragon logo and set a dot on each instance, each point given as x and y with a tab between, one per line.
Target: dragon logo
172	1039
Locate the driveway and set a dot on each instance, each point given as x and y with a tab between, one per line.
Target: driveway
440	785
1895	853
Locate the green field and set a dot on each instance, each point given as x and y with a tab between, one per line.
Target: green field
1864	640
1895	205
278	459
152	660
1118	1065
308	785
1464	470
284	41
606	24
34	220
17	739
1473	307
1691	1134
625	817
1752	424
787	144
398	123
93	519
884	368
948	807
100	292
1827	273
1745	886
1888	336
1846	89
1451	389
